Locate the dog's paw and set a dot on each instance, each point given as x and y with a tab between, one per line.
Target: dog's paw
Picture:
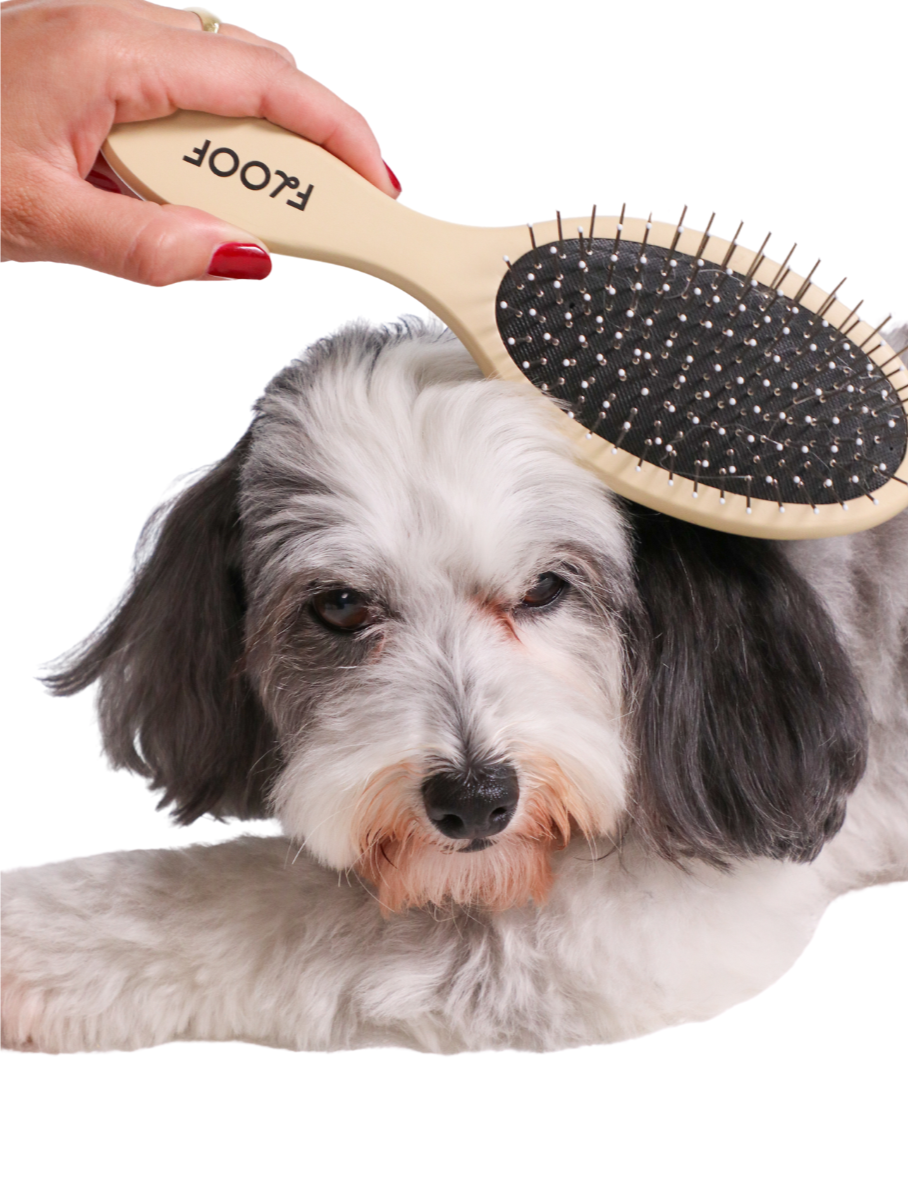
22	1011
40	1017
60	990
45	1017
56	1015
67	1016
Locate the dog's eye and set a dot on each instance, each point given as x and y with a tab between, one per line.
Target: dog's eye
343	608
547	588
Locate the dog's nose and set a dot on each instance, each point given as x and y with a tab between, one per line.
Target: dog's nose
475	803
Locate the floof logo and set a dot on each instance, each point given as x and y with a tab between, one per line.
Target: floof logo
254	175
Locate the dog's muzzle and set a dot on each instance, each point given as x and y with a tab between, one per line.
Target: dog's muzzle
476	803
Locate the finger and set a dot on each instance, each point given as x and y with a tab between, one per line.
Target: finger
148	243
176	18
191	22
234	78
244	35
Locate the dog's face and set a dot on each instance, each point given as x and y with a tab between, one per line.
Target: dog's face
433	596
403	618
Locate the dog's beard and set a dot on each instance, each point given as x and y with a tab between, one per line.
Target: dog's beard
412	866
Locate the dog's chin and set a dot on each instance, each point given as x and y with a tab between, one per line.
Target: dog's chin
412	874
412	867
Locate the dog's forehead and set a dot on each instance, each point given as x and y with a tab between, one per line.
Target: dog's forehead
412	459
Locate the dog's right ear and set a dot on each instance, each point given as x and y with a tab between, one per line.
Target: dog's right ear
749	721
174	702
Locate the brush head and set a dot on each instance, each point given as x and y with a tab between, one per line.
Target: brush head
703	371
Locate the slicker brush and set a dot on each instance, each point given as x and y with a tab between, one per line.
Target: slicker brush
695	376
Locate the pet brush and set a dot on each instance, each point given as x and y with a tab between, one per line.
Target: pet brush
698	378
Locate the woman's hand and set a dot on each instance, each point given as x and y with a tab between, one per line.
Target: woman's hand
72	70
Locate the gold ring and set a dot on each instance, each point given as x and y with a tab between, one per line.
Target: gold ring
210	23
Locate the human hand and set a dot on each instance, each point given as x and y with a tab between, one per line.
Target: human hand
74	68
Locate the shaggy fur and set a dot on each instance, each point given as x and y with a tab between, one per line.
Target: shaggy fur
659	751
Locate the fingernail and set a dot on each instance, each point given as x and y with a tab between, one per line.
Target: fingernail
394	180
103	182
238	260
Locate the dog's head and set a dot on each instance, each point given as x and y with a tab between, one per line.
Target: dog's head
400	616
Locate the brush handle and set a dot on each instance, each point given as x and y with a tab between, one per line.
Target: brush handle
301	200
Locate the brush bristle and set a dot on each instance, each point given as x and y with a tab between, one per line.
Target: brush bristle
704	372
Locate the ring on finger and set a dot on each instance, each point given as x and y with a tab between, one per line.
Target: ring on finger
210	23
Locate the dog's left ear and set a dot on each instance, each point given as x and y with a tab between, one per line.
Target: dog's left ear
174	701
750	725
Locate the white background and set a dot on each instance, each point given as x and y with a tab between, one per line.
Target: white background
788	115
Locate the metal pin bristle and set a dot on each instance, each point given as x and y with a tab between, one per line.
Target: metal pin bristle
755	265
802	290
898	354
780	274
732	248
875	332
829	301
678	231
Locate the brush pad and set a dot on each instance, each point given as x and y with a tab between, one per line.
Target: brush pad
702	371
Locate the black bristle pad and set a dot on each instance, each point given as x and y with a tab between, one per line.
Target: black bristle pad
701	371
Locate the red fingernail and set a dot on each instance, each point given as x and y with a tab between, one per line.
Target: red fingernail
103	182
394	180
238	260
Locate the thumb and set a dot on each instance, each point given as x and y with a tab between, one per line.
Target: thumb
148	243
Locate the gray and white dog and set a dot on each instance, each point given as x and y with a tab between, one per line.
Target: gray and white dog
552	769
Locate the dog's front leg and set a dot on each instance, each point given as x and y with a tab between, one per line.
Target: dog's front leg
236	940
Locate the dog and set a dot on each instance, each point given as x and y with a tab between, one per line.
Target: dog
552	769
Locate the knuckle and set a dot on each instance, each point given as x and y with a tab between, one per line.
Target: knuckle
277	48
354	122
150	257
94	22
88	34
278	60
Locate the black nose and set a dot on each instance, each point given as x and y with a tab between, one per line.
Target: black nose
477	802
